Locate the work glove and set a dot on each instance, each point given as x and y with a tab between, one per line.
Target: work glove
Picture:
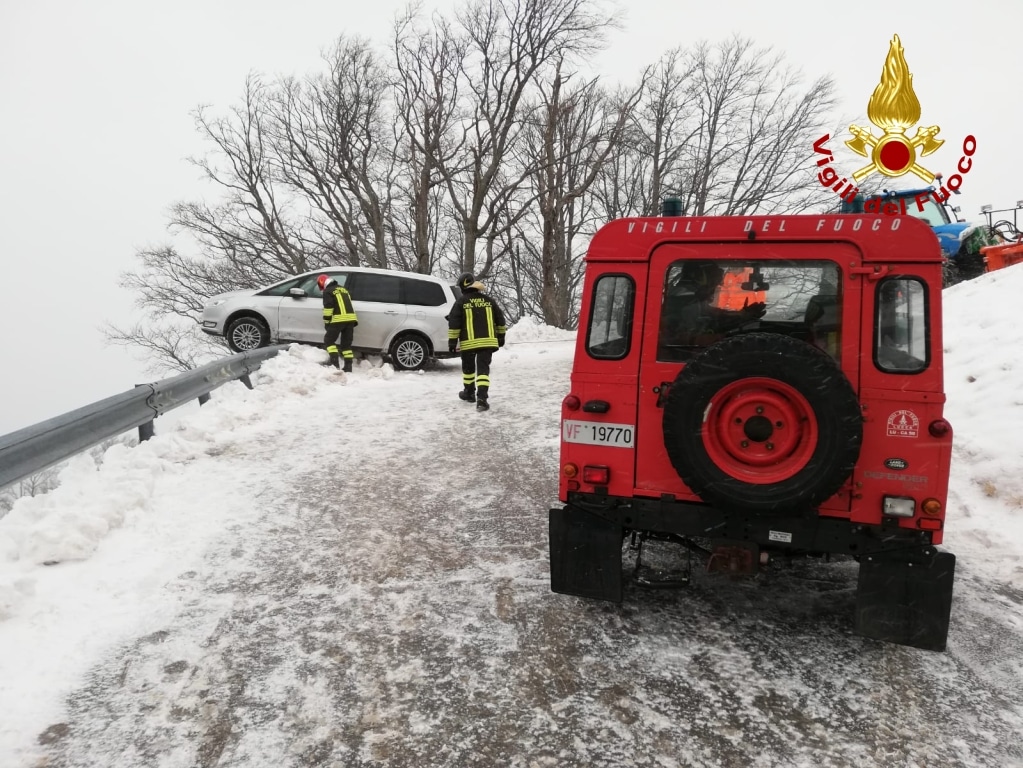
452	343
754	311
500	341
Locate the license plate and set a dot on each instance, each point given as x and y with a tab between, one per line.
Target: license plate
598	433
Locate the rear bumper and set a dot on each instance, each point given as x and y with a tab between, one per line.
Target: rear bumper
904	588
809	533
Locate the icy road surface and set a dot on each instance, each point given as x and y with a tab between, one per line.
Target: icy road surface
378	596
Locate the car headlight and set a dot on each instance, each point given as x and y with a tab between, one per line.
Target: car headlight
215	303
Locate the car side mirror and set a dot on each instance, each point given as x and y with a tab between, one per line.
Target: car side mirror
296	293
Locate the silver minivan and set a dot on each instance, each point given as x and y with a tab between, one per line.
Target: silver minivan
401	314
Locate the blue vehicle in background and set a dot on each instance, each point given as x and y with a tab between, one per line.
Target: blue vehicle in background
960	242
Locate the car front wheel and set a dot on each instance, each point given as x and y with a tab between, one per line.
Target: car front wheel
409	353
247	333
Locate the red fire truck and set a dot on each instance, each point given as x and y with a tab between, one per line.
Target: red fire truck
806	422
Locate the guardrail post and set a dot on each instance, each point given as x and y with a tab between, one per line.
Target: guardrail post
244	379
146	429
203	399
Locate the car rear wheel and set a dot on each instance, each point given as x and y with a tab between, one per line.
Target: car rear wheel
763	423
247	333
409	353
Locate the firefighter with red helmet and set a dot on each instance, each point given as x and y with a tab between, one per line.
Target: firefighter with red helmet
476	326
339	321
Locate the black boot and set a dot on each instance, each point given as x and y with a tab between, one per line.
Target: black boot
482	404
468	394
348	365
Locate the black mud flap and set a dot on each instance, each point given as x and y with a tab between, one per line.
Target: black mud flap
905	597
586	555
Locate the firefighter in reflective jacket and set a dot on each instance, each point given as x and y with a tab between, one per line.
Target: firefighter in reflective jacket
339	321
476	324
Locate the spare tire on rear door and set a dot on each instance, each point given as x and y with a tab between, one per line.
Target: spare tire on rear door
763	423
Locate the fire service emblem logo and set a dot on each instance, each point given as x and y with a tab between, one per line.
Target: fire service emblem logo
893	108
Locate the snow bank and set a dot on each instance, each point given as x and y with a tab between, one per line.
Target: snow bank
981	338
530	329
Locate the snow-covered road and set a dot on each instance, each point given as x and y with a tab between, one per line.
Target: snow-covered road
366	584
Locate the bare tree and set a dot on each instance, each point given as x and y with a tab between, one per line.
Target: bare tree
509	42
332	149
660	130
427	62
749	150
252	228
728	128
577	129
248	238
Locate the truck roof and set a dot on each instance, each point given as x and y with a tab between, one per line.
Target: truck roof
880	238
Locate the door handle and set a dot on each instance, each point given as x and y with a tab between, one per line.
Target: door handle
662	392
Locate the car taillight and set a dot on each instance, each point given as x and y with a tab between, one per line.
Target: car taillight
571	402
596	475
939	428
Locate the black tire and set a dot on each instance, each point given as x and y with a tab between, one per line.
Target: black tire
409	352
247	333
763	423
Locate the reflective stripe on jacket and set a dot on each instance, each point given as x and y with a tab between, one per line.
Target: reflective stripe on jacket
337	306
476	321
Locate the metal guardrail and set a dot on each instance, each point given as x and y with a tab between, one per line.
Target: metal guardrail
35	448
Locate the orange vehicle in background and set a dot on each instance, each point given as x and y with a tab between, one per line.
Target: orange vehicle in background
1003	255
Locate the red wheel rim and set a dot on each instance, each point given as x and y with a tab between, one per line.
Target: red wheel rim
759	430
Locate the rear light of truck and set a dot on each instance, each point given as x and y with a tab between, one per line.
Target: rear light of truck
571	402
570	470
929	523
939	428
595	475
931	507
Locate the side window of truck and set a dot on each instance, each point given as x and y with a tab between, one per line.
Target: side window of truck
901	333
610	326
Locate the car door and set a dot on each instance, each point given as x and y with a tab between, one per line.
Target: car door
300	314
378	305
